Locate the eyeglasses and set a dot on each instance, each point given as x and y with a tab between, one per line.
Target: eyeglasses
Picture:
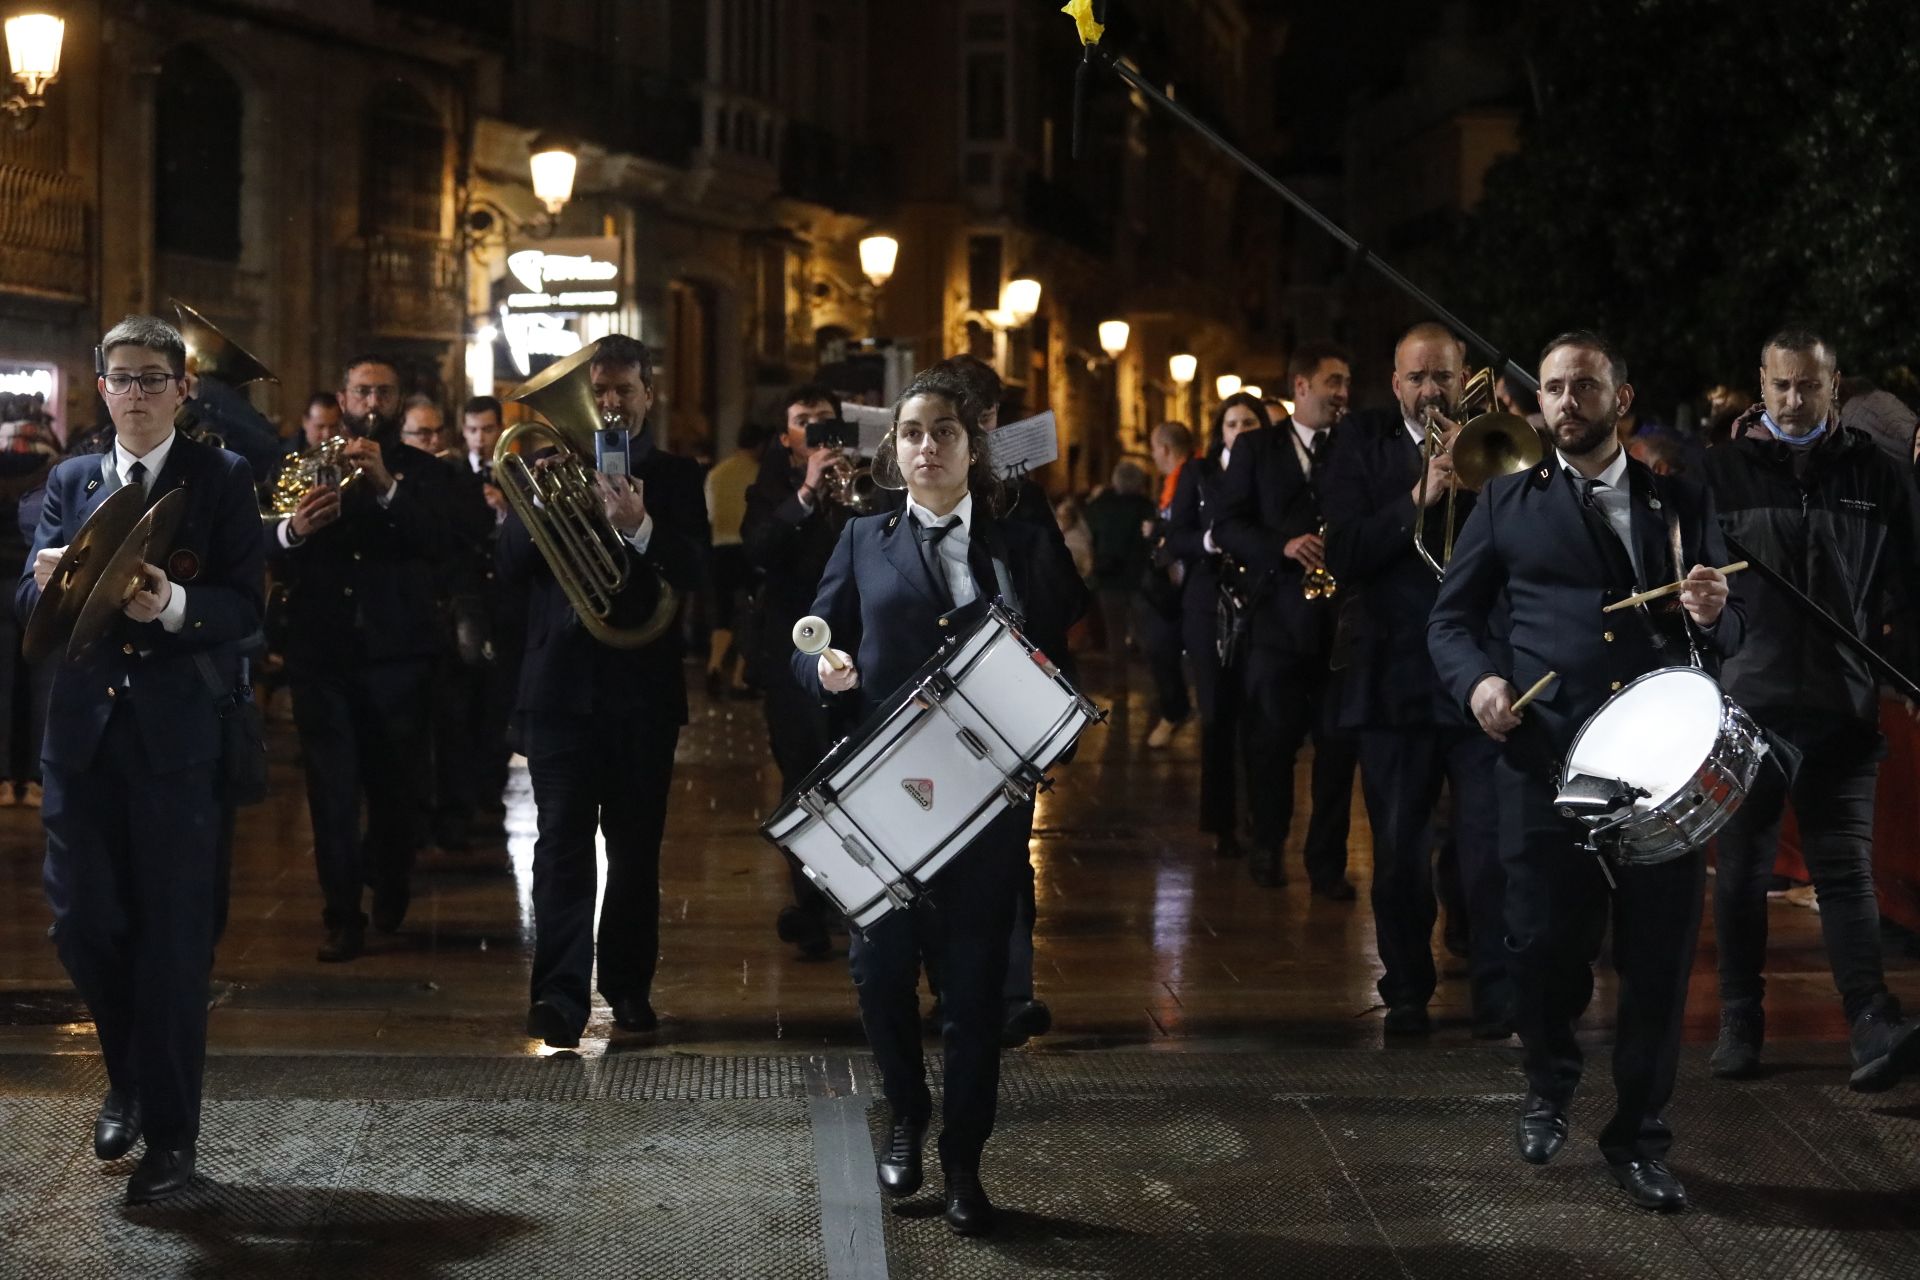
152	384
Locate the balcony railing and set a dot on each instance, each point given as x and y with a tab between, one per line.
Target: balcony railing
408	287
43	234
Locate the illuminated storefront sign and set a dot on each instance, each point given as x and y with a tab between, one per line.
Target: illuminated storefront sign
28	380
567	276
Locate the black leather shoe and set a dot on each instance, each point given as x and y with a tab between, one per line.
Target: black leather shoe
804	930
632	1013
1743	1029
545	1022
117	1127
969	1212
1408	1020
1025	1020
1885	1046
1225	846
1541	1130
1335	891
900	1165
342	944
161	1174
1264	866
1650	1184
390	908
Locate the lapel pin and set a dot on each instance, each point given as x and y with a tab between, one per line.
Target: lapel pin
1654	503
93	484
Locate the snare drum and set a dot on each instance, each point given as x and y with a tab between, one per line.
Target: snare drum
1686	748
973	732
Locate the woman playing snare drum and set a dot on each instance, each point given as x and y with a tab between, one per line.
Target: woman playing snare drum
899	585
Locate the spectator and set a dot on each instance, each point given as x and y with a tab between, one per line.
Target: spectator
1073	528
731	581
1120	519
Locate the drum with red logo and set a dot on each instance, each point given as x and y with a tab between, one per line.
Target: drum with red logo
974	731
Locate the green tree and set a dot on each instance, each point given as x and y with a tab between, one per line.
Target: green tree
1696	172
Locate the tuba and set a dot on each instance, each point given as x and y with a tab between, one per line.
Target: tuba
1487	444
560	504
212	354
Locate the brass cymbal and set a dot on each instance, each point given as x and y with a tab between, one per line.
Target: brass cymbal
122	576
79	570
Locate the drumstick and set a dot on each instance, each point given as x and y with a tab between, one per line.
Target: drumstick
1539	687
812	635
1667	590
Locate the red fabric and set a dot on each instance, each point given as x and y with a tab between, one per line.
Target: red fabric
1171	483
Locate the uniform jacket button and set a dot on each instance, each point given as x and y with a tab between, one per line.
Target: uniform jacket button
112	692
127	649
1607	636
1615	686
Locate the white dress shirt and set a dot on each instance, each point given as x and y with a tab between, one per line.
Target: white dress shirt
952	547
1614	500
174	615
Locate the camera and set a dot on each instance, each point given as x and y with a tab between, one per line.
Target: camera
835	432
611	454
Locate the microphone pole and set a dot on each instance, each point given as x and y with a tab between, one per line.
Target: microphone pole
1093	53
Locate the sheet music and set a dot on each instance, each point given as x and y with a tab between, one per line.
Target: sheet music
874	422
1019	447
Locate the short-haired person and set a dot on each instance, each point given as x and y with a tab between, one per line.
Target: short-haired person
422	425
1156	618
1188	538
898	585
321	420
1542	553
360	560
1413	738
132	756
599	724
1269	520
1826	507
788	530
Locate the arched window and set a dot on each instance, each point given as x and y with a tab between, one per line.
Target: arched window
404	154
196	177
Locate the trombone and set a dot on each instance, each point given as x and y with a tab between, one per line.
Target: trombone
1488	444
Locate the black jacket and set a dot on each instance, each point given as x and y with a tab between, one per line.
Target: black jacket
1265	501
1524	592
879	598
365	589
1837	519
565	670
789	544
218	557
1196	505
1386	590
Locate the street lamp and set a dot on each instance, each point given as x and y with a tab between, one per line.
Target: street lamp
553	161
1020	300
1181	367
33	58
878	254
1225	385
1113	337
1252	390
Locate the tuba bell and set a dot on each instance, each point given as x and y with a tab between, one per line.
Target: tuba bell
557	500
212	354
1487	444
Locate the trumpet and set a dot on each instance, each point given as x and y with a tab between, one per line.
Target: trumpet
1488	444
560	505
1319	584
850	483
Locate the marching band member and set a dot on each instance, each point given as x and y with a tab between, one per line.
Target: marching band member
897	586
132	755
1544	550
1822	504
1412	739
599	725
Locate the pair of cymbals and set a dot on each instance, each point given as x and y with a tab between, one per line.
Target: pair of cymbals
101	570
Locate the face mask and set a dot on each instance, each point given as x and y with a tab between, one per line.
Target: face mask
1766	420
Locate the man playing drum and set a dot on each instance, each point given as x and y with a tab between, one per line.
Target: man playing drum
898	585
1541	554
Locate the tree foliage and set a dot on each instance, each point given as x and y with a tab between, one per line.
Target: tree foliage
1697	172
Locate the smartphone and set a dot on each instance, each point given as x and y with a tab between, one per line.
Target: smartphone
611	456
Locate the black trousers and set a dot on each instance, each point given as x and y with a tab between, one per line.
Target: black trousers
1401	773
959	928
1159	638
133	877
798	733
610	774
1286	700
1216	691
1833	802
365	729
471	707
1558	901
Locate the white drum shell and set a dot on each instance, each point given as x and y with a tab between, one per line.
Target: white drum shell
923	781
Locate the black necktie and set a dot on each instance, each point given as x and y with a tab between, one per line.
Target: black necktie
1606	540
1317	446
930	538
137	474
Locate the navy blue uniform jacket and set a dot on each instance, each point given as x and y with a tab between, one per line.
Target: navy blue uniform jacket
155	670
878	596
1527	546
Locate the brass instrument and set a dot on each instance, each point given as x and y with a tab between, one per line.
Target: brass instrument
849	482
1486	445
212	354
560	504
1318	584
325	463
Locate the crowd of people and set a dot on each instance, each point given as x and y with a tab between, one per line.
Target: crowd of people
1273	577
